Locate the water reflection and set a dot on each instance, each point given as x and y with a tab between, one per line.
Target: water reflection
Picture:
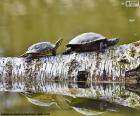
135	88
94	99
24	22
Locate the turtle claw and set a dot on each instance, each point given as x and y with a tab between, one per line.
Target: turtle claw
103	50
28	60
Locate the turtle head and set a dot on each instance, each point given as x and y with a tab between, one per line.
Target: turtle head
113	41
58	43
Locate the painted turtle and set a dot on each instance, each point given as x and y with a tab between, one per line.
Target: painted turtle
41	49
90	41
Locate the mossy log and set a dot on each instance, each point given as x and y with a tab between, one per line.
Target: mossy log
18	75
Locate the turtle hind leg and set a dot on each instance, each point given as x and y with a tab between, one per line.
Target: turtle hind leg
29	58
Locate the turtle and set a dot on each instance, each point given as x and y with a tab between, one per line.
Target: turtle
88	42
41	49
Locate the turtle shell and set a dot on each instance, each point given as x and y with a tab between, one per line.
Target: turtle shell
40	47
86	38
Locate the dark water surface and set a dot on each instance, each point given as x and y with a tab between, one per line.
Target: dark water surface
98	99
24	22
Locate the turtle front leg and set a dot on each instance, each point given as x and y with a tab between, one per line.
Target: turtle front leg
54	52
102	47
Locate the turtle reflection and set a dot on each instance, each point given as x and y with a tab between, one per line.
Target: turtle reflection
96	99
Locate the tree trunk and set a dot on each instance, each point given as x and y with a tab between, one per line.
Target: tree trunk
81	68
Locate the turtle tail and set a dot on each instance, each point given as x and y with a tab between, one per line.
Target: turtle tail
113	41
58	43
23	55
67	51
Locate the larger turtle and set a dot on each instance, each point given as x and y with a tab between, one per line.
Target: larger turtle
90	41
41	49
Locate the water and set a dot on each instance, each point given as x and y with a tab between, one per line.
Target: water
24	22
98	99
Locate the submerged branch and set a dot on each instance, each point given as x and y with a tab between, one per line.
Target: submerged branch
18	75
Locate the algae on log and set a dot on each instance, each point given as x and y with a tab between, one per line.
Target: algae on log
18	75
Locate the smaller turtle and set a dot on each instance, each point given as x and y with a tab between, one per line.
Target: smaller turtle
41	49
88	42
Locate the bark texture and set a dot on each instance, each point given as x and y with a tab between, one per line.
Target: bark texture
18	75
